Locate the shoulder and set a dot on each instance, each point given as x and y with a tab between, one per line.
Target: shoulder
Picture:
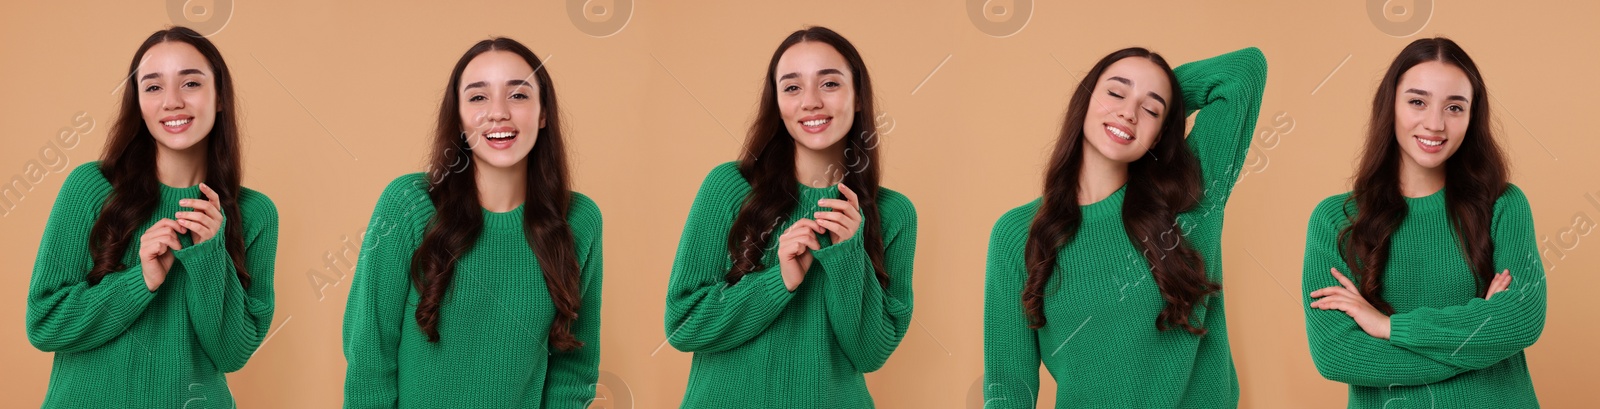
405	200
86	181
1334	210
257	210
895	206
583	214
1013	226
1511	199
725	179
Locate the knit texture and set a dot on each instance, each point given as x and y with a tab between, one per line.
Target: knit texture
757	345
119	345
1100	341
1447	347
494	323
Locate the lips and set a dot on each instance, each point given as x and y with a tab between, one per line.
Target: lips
1430	144
815	123
176	124
1119	134
500	138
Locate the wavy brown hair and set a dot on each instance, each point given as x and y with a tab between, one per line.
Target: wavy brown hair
129	163
1161	184
768	164
458	219
1475	176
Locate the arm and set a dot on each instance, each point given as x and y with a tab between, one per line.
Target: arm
1342	351
1484	332
868	320
1227	90
375	311
704	313
229	320
1010	349
571	376
65	312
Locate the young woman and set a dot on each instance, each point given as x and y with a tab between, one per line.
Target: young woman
793	277
154	276
1403	301
1112	278
479	279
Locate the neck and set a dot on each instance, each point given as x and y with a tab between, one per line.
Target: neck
183	168
819	168
502	189
1417	181
1100	176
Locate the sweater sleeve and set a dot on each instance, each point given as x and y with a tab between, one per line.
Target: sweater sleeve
1010	349
378	292
1227	91
704	313
1341	351
571	376
1483	332
868	320
65	312
229	320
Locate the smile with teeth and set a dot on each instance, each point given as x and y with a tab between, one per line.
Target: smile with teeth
815	122
176	122
501	135
1119	133
1430	142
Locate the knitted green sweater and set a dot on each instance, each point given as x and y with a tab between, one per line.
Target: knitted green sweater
1100	341
757	345
1447	347
494	322
120	345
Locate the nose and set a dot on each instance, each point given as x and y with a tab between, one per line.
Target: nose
1126	110
172	100
810	100
1433	121
498	111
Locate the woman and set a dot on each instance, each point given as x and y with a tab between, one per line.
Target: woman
793	277
1403	302
154	276
1112	278
479	279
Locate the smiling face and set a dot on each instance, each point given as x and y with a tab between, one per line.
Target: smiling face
1432	107
177	95
1126	110
500	109
816	95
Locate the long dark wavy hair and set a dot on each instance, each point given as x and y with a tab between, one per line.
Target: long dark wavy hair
1161	184
458	219
129	163
768	164
1475	176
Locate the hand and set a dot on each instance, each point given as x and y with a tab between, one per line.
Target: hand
155	251
204	222
1500	283
794	251
1347	298
845	219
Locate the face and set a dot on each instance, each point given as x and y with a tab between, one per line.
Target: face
500	110
1432	107
1126	110
816	95
177	94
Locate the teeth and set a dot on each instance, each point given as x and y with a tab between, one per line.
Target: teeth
1427	142
815	122
176	122
501	135
1119	133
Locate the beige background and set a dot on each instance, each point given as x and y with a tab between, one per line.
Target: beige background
339	99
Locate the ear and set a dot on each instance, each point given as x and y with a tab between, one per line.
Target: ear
541	119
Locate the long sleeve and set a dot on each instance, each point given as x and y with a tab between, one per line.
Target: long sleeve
571	376
1341	350
704	313
1484	332
1010	349
378	294
229	320
1227	90
65	312
868	320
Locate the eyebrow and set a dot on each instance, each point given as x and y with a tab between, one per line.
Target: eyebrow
1129	82
1426	94
186	71
513	83
821	72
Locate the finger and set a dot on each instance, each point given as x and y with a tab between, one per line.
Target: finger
202	206
200	229
169	224
834	227
1344	281
213	198
855	202
810	224
848	208
810	242
837	218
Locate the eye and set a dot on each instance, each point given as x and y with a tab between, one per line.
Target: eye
192	84
1455	108
1114	94
152	88
519	95
475	98
1153	113
830	84
790	88
1416	103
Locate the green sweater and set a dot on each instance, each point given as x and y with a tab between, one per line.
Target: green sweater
120	345
757	345
1447	347
494	323
1100	341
